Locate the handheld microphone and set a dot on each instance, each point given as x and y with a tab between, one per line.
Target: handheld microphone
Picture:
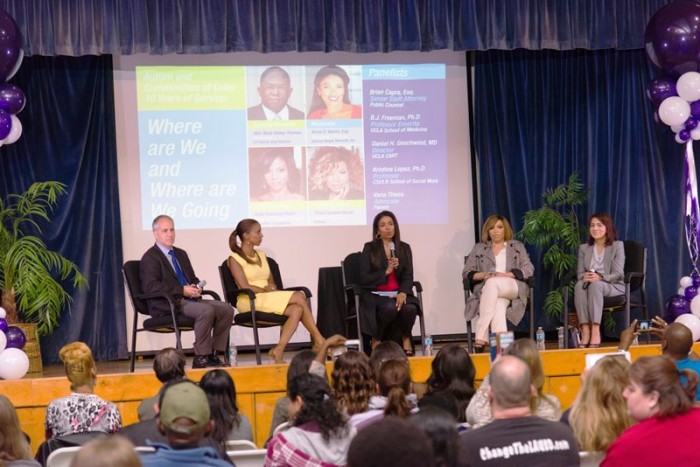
201	284
392	249
586	284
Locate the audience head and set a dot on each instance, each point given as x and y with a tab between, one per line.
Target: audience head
440	427
330	77
300	364
655	388
394	383
385	351
13	444
310	401
107	451
169	364
599	413
221	392
453	371
391	441
677	341
490	222
606	220
185	414
79	365
275	88
511	384
353	382
526	350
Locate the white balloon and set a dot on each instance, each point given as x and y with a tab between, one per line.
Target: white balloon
677	138
695	133
688	320
3	341
686	281
15	131
695	306
681	291
674	111
3	313
14	363
677	128
688	86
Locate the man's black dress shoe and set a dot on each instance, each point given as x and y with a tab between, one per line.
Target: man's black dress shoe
201	361
215	361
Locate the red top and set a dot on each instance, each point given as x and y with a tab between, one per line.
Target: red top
392	284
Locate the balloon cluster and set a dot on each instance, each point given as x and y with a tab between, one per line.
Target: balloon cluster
672	41
12	98
684	307
14	363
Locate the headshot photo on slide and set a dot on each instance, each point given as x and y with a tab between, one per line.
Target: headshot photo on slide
333	93
335	173
271	94
276	174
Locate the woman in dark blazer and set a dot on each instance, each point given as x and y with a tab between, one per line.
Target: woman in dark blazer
600	273
500	266
388	306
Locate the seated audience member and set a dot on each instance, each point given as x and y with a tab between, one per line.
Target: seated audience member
599	413
451	382
14	448
110	451
515	437
392	441
184	420
542	405
394	388
666	432
353	382
440	426
168	364
306	361
229	423
319	435
390	350
82	411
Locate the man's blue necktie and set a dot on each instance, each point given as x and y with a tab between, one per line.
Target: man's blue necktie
180	275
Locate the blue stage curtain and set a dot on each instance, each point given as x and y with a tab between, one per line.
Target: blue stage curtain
94	27
539	116
69	136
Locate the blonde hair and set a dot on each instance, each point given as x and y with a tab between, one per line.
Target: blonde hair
490	222
79	364
526	350
599	413
107	451
13	444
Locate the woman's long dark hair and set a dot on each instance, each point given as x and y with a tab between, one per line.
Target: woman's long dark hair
317	405
610	232
330	70
221	392
453	372
242	227
394	381
377	248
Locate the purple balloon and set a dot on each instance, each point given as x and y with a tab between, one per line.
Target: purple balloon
691	123
5	124
15	337
695	109
675	306
672	37
684	135
10	45
12	98
661	88
3	325
690	292
696	281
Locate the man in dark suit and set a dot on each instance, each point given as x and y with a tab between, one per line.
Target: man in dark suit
274	90
167	270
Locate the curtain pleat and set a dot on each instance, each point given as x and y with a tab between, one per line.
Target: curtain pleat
540	116
94	27
69	136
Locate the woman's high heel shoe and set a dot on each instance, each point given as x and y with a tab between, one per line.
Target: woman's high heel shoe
274	358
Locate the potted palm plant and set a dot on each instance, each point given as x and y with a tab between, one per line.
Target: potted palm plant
554	228
31	275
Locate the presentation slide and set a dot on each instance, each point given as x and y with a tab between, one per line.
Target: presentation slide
312	145
208	156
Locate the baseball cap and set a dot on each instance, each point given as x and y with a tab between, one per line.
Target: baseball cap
184	400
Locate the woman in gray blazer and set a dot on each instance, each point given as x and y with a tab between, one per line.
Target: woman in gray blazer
600	273
499	266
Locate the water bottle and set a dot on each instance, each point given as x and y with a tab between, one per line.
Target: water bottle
539	337
428	346
232	354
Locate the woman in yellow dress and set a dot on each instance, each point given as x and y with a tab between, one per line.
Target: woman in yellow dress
250	270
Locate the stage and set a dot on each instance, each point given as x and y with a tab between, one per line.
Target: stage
258	387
